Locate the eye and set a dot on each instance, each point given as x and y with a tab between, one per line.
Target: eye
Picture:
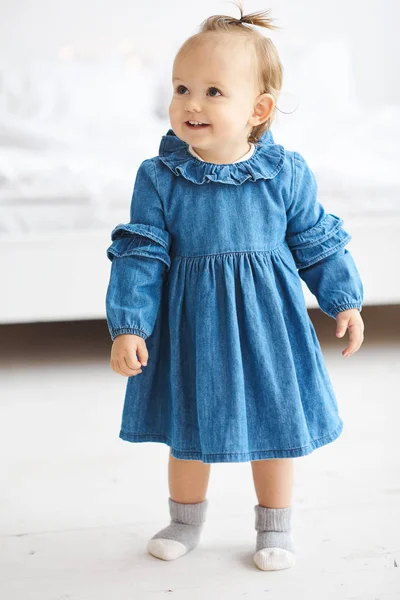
180	91
216	89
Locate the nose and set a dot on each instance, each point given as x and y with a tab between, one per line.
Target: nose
192	105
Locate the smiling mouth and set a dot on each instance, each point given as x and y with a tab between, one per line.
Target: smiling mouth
201	126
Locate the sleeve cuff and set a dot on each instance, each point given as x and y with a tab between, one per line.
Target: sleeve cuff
337	309
132	330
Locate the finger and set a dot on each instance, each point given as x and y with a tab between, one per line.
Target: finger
134	373
353	347
143	354
346	354
119	366
350	349
131	362
131	374
355	336
125	370
341	327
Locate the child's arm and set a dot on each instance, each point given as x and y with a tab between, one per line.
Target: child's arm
140	258
317	241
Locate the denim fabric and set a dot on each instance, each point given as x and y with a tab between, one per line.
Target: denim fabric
208	271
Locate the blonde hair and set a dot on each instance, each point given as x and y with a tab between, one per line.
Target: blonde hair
269	66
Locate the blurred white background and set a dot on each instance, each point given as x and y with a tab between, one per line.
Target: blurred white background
84	94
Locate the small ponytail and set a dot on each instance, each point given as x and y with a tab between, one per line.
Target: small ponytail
224	22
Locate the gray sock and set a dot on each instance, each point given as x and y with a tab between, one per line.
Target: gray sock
273	527
183	532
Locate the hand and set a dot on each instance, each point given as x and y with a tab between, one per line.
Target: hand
352	319
123	354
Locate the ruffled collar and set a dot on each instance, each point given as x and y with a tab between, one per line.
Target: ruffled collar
265	162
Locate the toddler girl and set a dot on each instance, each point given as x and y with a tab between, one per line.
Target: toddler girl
205	291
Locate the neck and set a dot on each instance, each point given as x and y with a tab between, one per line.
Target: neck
218	158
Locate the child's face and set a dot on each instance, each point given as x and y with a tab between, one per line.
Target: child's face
215	83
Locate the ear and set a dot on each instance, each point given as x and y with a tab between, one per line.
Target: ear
263	108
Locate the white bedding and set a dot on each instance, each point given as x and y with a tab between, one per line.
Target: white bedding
72	135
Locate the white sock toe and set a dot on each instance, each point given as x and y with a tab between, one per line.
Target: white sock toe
166	549
274	559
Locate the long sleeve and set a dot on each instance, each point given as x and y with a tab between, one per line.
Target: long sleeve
139	256
317	241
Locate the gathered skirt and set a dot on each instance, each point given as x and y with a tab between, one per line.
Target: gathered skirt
235	370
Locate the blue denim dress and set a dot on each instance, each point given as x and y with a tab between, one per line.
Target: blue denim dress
208	271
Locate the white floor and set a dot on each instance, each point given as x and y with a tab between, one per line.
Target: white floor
77	504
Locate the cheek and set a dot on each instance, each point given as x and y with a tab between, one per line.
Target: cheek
176	108
231	113
173	110
222	109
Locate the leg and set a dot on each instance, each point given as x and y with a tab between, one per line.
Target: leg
188	483
273	482
188	480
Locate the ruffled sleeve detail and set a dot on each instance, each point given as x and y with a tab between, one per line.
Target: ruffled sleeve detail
317	242
139	256
265	163
139	239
